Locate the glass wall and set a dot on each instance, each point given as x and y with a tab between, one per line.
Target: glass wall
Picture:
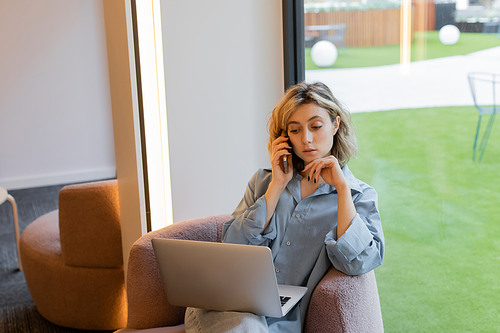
405	70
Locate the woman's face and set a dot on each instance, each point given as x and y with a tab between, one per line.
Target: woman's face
311	132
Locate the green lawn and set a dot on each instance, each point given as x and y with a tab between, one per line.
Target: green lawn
441	218
389	54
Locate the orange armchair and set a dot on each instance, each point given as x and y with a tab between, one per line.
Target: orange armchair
73	260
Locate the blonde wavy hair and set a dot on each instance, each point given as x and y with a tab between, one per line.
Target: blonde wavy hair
345	145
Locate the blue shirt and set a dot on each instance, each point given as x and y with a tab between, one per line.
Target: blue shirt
302	232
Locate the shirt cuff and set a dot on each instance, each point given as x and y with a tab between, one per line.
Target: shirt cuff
350	245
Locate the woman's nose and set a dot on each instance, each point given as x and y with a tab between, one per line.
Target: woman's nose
307	137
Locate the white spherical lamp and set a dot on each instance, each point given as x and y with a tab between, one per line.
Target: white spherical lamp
449	35
324	53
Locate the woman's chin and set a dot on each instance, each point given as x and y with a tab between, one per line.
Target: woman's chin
307	160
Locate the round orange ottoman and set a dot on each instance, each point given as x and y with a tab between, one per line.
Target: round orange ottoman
90	298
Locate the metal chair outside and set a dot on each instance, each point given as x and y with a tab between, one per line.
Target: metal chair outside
485	89
491	27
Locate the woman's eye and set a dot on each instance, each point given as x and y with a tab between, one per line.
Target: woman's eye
293	131
317	127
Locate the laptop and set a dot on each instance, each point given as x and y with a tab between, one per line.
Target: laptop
224	277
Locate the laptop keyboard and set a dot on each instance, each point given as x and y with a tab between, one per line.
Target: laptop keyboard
284	299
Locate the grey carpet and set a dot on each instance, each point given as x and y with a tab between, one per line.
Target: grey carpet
25	318
17	310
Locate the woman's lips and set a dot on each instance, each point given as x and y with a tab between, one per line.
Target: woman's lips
309	151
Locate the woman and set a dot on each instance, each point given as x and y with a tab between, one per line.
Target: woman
313	216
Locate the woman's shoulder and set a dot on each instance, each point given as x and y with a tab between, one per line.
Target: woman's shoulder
262	175
356	184
260	181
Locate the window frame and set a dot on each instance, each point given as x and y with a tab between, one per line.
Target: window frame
293	42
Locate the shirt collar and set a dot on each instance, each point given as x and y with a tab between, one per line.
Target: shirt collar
353	181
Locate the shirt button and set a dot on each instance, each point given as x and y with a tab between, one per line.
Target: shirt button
288	243
277	270
297	216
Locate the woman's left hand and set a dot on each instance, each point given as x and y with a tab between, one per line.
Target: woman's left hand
329	169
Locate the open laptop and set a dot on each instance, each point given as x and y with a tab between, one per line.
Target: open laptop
224	277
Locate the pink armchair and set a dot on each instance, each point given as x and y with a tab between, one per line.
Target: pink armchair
340	303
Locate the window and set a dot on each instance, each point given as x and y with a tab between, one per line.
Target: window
411	102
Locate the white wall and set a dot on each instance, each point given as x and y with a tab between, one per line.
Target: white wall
224	74
55	109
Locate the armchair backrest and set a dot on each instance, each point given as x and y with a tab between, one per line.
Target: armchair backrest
89	225
148	306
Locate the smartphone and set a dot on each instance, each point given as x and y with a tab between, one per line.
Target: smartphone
284	159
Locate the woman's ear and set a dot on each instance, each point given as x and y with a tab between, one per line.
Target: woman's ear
336	125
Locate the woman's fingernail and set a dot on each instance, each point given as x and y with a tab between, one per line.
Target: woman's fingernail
308	178
314	180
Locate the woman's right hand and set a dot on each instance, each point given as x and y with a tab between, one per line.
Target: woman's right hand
280	148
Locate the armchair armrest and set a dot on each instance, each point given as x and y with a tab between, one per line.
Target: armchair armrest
343	303
89	225
148	306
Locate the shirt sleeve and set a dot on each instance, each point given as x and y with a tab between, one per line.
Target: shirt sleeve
248	220
361	247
